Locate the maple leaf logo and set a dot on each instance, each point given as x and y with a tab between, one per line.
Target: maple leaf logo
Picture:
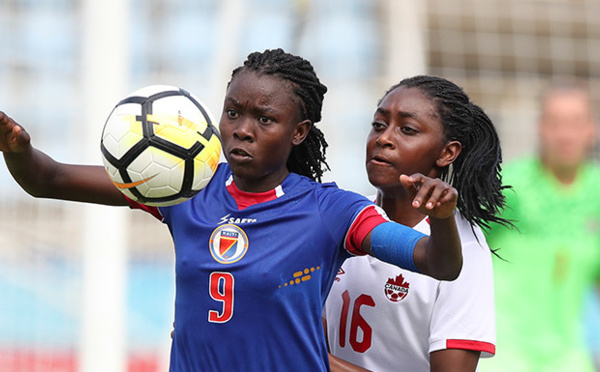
396	289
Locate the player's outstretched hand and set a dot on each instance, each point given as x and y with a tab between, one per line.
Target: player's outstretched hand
431	196
13	137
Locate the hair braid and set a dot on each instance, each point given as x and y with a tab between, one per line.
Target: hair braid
476	171
308	158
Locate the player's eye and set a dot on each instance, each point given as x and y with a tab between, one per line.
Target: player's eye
378	126
231	113
408	129
265	120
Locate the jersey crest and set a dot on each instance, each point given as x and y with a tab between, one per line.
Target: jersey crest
396	289
228	244
340	272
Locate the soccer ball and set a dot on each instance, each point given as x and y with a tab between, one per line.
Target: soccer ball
159	145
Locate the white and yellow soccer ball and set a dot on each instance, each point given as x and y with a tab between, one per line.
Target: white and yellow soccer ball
160	146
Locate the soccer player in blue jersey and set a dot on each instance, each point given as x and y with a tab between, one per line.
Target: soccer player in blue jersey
258	249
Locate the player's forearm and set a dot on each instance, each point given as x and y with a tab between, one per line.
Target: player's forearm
43	177
440	255
31	169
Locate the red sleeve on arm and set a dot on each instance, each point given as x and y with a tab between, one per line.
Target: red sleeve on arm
471	345
362	225
146	208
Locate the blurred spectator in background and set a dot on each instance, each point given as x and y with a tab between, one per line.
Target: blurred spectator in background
553	257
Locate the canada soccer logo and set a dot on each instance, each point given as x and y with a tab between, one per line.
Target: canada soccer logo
228	244
396	289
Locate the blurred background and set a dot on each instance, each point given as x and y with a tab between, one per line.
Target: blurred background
70	300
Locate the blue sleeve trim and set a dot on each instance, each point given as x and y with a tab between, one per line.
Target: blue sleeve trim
395	243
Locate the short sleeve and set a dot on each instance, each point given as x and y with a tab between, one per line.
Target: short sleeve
349	215
154	211
464	313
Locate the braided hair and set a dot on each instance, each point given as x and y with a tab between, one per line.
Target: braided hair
308	158
476	171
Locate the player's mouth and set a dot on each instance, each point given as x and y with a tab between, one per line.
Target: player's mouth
379	160
239	154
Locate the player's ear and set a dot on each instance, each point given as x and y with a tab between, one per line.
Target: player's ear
449	154
301	131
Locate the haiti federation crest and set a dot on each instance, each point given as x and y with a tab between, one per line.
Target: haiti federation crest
228	244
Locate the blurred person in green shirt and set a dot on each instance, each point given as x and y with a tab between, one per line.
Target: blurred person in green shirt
553	257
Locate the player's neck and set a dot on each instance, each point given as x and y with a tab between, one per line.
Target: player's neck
245	199
264	183
399	209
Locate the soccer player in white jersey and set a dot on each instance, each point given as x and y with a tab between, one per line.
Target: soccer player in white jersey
384	318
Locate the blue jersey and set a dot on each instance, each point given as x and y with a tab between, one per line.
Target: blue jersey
253	272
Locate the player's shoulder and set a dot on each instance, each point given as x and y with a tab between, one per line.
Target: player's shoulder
222	168
471	236
465	229
332	190
303	183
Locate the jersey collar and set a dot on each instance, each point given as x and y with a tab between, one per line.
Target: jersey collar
245	199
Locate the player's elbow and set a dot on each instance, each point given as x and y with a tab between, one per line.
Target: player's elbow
436	263
451	274
447	270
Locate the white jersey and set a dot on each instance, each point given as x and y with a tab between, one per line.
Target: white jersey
384	318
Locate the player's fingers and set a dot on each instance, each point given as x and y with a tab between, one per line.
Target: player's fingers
428	194
441	193
422	193
6	124
417	187
21	137
14	138
435	193
6	132
408	184
413	182
450	195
